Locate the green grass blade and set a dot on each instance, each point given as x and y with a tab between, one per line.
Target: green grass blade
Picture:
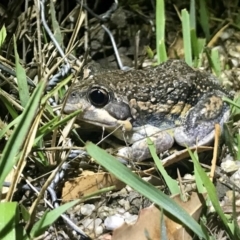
199	183
145	188
211	190
49	218
162	52
17	139
21	78
186	37
216	64
51	125
7	128
49	94
194	43
193	15
160	31
9	106
204	19
9	220
228	100
171	183
56	27
3	34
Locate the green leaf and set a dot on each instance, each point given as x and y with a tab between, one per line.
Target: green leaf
11	110
54	123
216	64
162	51
9	219
171	183
55	89
211	190
24	213
56	27
11	124
193	15
49	218
199	183
12	148
194	43
3	34
204	19
186	37
146	189
160	31
21	78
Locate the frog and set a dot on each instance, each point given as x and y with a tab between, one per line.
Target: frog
171	103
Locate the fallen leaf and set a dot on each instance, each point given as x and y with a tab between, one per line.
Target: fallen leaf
149	222
88	183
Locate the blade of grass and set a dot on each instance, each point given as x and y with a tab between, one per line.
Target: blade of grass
199	183
160	31
4	130
211	190
49	218
3	34
186	37
17	139
204	19
54	123
9	219
10	108
193	14
171	183
216	64
228	100
21	78
56	27
162	51
145	188
49	94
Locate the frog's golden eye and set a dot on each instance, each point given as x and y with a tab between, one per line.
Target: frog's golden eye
98	97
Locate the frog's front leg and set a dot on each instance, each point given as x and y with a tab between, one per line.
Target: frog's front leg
139	150
199	124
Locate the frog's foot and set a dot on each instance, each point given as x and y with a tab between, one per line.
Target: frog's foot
139	150
198	126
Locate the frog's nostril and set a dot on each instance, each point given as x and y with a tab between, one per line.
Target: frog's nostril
73	95
98	97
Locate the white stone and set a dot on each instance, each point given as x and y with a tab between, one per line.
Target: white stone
98	230
230	166
87	209
113	222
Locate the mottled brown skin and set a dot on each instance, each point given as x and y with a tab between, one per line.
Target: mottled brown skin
169	96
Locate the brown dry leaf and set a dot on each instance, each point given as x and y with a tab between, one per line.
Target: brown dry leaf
149	220
194	207
89	182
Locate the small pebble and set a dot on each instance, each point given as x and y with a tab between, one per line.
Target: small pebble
98	230
87	209
230	166
113	222
105	211
124	203
90	224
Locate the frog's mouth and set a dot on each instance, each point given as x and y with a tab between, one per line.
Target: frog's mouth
99	117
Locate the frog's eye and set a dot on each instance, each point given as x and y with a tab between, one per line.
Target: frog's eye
73	94
98	97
